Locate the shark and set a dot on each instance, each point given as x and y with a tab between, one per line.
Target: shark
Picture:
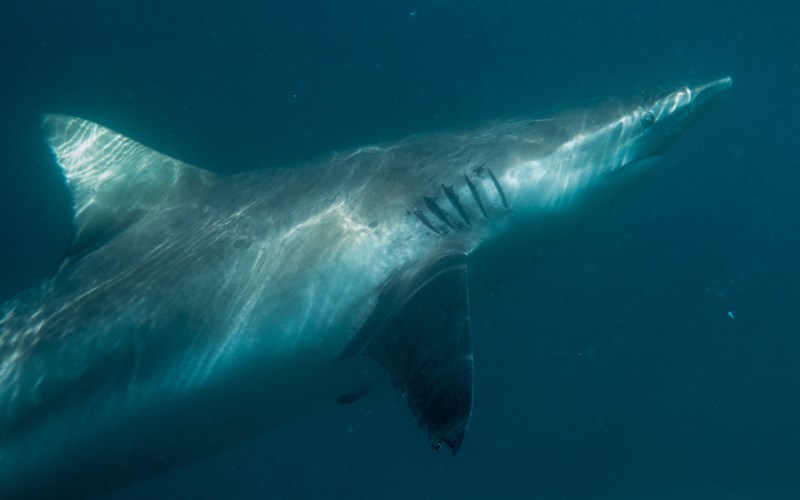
194	310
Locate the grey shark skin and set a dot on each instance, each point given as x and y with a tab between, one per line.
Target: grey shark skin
195	310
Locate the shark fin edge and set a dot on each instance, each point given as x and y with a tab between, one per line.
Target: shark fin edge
113	180
420	333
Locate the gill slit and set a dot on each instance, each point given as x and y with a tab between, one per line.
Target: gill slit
453	198
426	222
499	189
437	211
474	191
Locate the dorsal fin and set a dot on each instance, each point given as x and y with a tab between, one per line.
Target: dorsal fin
113	180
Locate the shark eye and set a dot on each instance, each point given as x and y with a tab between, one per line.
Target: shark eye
647	119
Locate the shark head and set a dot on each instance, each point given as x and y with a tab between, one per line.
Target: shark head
604	145
664	117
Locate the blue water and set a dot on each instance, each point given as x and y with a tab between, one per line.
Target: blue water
613	370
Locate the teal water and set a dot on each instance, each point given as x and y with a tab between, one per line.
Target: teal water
613	370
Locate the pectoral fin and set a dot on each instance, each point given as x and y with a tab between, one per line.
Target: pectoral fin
420	333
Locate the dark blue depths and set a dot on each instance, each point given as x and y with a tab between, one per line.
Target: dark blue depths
613	370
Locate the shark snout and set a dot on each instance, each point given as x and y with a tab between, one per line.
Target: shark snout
705	96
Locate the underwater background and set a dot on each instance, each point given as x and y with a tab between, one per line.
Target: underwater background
656	355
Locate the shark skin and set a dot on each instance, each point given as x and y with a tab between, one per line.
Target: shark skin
194	310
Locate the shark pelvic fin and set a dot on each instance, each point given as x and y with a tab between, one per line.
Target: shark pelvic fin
420	332
113	180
